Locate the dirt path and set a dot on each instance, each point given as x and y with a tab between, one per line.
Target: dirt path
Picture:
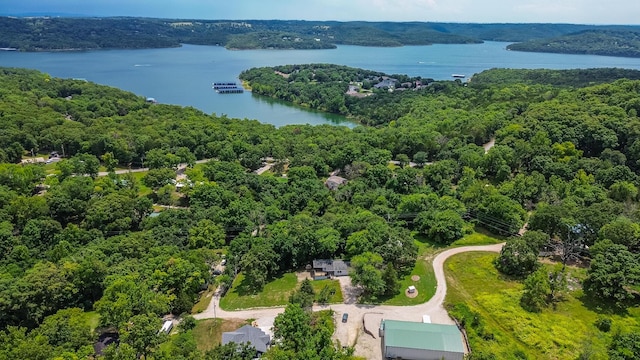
489	145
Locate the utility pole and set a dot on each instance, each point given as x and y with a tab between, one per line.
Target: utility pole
215	298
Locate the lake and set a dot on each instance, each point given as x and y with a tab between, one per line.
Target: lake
183	75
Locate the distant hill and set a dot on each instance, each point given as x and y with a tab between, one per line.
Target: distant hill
72	33
592	42
562	78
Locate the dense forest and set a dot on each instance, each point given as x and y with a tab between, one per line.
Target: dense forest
78	246
588	42
58	34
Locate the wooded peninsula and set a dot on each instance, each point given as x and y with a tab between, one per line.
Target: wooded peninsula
546	161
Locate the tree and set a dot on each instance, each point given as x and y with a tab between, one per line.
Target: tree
141	332
443	227
622	231
110	162
536	291
258	265
625	347
390	278
403	159
535	239
67	328
623	191
291	328
127	296
231	351
517	259
368	274
114	212
613	271
188	323
206	234
304	296
420	158
157	178
17	344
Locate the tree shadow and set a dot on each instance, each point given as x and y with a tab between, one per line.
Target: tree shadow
602	307
246	288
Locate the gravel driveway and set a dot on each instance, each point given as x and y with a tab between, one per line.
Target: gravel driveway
352	333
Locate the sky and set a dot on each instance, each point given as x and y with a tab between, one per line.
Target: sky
475	11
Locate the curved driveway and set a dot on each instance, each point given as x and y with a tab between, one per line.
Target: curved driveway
433	307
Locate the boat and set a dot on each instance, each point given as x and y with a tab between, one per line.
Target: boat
458	76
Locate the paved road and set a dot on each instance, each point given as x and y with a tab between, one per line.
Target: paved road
433	307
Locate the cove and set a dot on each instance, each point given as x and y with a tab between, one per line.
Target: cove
183	76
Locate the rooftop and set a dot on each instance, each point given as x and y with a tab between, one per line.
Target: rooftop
248	334
330	265
415	335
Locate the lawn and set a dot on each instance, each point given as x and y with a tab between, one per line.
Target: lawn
275	293
208	333
497	324
426	285
204	300
478	237
427	249
334	285
93	319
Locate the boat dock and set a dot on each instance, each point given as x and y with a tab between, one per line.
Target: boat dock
227	88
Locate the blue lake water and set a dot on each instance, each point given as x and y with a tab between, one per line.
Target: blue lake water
183	75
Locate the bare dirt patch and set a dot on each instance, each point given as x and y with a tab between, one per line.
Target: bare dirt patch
411	294
415	277
301	275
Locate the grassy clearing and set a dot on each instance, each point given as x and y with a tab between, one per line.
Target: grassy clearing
93	319
334	285
426	286
204	300
478	237
275	293
497	324
208	333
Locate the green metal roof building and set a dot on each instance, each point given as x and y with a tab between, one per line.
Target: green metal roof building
420	341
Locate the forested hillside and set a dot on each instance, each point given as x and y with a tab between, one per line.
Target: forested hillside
57	34
80	251
589	42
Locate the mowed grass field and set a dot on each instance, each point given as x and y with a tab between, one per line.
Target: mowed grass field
208	333
498	325
275	293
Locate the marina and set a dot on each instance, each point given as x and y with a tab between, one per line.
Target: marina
227	88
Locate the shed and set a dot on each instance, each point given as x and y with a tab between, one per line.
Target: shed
411	289
421	341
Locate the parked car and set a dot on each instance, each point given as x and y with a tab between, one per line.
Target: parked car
345	316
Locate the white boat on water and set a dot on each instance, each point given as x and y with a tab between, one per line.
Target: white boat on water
458	76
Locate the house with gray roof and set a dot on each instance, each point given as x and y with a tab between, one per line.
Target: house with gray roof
331	267
249	335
